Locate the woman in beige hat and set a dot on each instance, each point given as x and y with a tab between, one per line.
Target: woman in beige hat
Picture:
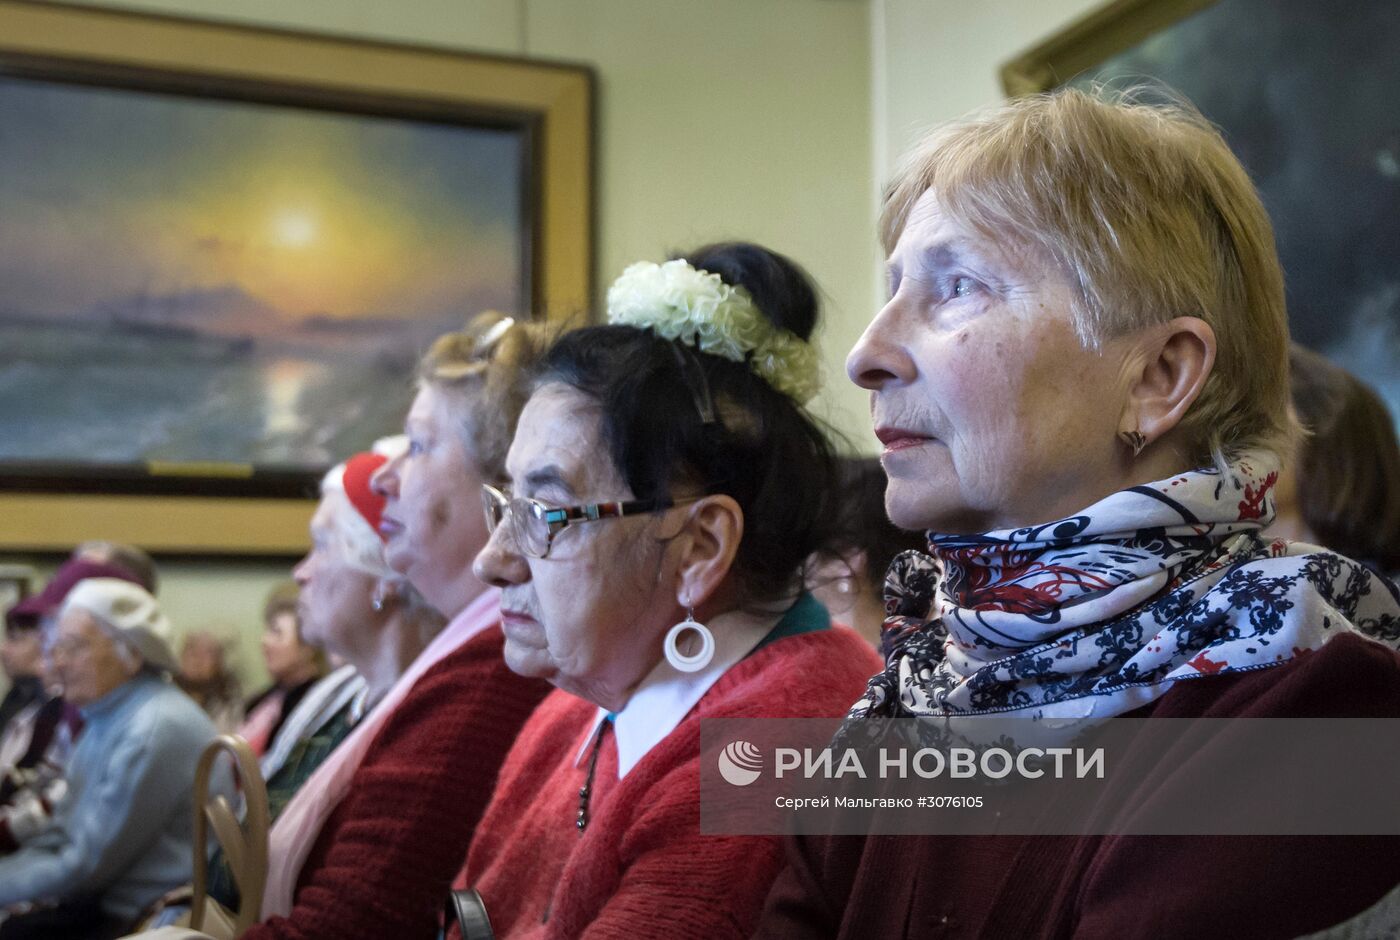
122	837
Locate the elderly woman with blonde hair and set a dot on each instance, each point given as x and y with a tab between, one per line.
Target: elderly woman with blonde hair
1079	383
368	846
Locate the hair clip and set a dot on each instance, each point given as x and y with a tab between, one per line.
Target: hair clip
493	336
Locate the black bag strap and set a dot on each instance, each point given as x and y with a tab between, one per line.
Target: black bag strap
467	910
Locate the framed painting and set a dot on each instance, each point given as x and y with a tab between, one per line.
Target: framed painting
223	249
1304	93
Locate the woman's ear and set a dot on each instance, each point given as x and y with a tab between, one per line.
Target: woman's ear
131	665
711	539
387	592
1175	361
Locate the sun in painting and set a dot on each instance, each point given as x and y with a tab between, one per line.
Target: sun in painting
294	228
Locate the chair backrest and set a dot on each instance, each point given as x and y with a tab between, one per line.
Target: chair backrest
244	843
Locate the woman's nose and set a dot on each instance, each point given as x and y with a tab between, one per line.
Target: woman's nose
385	480
880	355
500	563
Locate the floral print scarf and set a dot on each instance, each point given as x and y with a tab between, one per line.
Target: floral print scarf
1098	614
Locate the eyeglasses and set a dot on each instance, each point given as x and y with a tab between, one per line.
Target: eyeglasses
533	525
68	647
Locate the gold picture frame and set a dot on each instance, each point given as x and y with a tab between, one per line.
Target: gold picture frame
1090	40
87	45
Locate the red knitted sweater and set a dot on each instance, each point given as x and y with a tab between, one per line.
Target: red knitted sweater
385	858
642	868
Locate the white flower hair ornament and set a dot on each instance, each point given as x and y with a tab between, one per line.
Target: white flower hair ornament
678	302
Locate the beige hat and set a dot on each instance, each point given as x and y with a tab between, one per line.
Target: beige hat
130	612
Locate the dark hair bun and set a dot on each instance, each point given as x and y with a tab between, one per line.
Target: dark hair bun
757	445
777	284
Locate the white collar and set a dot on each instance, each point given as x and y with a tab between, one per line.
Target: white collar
667	695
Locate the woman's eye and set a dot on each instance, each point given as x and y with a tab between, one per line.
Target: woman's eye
963	287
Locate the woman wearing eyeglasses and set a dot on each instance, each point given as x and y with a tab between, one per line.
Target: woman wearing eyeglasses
665	487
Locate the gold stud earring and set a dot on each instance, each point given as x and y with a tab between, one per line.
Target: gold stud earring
1134	440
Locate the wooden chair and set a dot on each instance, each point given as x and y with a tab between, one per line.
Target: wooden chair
244	844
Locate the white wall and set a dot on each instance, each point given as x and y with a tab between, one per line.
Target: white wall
934	60
938	59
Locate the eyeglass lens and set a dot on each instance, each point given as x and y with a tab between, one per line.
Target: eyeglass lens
530	530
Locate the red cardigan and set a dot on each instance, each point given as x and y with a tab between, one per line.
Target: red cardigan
386	856
642	868
1117	887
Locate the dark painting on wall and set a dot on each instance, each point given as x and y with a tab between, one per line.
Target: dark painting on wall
1305	93
201	280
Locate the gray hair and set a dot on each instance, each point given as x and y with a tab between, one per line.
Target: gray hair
1151	217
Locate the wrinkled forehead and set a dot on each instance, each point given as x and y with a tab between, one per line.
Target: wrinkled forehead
935	235
323	519
334	515
427	410
559	446
449	419
78	623
928	211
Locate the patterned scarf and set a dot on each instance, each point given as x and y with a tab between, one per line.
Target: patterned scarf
1099	614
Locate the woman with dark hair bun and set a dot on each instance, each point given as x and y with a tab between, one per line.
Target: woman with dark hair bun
681	425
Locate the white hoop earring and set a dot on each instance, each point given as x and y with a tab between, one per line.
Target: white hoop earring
680	661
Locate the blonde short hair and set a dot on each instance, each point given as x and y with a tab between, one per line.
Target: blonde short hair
486	372
1151	217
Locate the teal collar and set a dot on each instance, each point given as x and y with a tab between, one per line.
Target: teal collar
807	615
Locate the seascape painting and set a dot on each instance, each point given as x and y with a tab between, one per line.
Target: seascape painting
1304	93
195	279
